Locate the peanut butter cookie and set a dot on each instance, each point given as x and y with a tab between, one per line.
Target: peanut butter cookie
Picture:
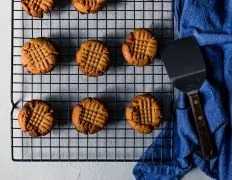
93	58
140	47
36	8
88	6
36	117
144	114
90	116
39	55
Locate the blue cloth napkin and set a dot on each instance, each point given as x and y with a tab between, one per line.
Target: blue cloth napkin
210	21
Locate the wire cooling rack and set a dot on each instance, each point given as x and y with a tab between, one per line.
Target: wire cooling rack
66	85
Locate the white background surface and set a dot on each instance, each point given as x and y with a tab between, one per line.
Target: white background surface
42	171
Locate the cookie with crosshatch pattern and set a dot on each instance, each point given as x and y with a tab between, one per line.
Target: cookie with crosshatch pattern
88	6
39	56
90	116
36	117
36	8
144	114
93	58
140	47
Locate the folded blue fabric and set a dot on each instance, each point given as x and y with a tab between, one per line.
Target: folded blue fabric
210	21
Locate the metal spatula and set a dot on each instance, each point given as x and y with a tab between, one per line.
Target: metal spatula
186	69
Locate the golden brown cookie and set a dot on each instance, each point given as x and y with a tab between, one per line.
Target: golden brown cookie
140	47
88	6
93	58
36	8
90	116
36	117
144	114
39	55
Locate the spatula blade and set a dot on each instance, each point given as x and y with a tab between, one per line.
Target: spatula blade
185	64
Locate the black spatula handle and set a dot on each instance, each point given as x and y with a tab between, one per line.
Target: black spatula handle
206	143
